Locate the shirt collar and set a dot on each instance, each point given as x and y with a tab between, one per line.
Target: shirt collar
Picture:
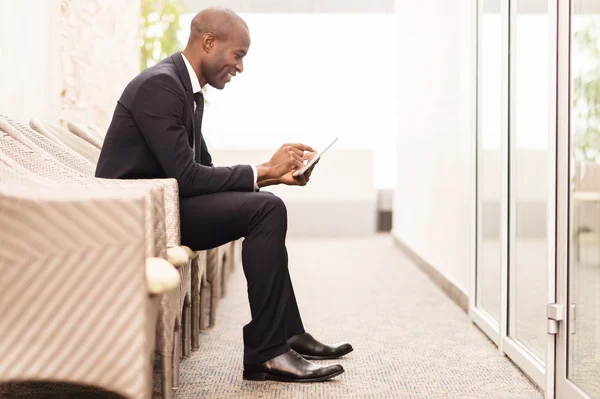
195	83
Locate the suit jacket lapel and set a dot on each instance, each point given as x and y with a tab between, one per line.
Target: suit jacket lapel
190	107
187	83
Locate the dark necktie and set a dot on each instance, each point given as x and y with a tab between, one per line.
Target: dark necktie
199	100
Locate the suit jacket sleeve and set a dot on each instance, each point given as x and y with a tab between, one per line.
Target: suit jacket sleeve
205	158
158	111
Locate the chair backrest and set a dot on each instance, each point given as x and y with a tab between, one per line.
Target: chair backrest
86	133
96	131
9	174
36	141
38	162
68	138
12	172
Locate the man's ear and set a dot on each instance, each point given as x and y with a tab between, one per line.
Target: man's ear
208	42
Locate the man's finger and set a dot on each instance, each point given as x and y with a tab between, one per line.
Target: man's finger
294	150
297	165
308	155
302	147
298	157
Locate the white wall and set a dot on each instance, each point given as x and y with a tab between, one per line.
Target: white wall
310	85
29	61
433	206
297	6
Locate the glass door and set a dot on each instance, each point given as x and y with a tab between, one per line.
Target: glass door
531	182
578	359
491	177
516	181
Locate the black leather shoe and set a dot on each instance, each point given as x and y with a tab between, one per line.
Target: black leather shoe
291	367
312	349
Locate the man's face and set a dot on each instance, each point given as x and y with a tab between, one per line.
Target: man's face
226	57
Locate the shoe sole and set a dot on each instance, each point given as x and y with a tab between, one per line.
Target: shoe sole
258	376
330	357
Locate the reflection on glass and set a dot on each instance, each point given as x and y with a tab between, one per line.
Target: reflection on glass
529	178
584	265
489	183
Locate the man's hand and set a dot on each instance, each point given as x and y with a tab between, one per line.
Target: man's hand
289	179
290	157
308	156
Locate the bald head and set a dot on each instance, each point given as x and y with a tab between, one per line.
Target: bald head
219	41
220	22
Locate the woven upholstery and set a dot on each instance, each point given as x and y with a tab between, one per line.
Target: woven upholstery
86	133
170	215
77	308
44	166
32	137
191	295
12	175
59	151
96	131
47	167
66	137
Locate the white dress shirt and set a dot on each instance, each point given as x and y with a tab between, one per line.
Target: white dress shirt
196	88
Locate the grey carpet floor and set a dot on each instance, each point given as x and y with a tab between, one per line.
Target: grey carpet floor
410	340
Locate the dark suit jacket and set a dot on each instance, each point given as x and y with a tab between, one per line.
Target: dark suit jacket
151	135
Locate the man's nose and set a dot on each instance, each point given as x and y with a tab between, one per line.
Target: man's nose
240	67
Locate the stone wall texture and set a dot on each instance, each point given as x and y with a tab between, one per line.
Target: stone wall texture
99	54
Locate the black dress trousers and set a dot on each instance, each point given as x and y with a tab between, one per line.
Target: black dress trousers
211	220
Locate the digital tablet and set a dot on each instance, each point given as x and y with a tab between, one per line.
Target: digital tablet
315	159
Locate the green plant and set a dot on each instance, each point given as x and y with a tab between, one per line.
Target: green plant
159	27
586	93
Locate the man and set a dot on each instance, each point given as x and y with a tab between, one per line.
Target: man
156	133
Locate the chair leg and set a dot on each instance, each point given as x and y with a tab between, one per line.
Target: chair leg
214	299
205	302
232	256
195	306
166	371
5	389
186	333
224	278
196	316
176	354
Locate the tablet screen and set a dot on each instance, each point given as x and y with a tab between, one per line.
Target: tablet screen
315	159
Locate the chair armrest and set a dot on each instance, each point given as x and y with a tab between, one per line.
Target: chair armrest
170	198
177	256
191	254
161	276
